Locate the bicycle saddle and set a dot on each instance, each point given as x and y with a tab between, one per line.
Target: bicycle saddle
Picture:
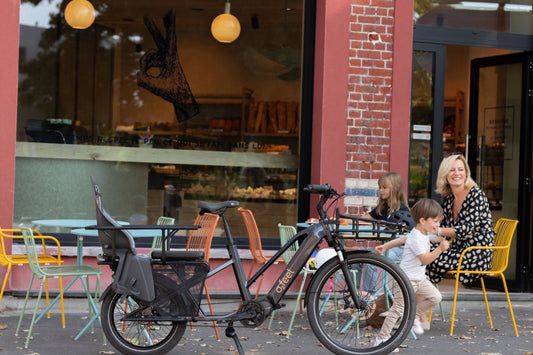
216	206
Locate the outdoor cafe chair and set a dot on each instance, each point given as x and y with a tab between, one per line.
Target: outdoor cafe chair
254	241
46	272
21	259
285	234
200	240
505	229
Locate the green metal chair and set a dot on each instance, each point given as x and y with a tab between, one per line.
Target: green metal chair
285	234
46	272
157	243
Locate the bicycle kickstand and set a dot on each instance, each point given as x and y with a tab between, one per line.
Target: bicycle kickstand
230	333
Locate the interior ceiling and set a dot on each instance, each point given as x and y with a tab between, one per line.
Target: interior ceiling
200	13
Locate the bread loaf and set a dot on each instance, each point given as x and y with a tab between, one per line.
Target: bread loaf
282	115
252	113
272	117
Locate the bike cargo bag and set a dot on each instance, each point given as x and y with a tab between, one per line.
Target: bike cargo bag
179	287
136	278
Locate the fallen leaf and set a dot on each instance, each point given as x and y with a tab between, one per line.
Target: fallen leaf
3	326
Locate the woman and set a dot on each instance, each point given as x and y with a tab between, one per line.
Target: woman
467	222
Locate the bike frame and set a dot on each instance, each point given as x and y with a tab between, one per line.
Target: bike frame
312	236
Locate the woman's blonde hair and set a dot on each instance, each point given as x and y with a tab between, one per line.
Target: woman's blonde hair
397	192
443	187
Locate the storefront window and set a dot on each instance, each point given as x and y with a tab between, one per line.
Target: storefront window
512	16
147	99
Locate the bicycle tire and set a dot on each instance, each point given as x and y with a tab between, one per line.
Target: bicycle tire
139	338
353	331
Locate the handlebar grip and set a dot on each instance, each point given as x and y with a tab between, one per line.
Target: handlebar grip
318	189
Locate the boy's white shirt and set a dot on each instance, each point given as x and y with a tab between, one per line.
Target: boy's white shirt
415	244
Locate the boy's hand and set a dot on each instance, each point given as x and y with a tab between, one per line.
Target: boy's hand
380	249
444	244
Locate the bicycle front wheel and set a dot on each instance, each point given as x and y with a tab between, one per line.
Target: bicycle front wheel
346	329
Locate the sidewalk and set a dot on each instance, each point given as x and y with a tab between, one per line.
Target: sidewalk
471	334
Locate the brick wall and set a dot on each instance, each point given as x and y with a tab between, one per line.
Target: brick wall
369	100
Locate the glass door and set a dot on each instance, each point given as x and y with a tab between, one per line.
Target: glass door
498	111
427	106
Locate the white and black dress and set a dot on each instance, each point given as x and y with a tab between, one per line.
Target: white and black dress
473	227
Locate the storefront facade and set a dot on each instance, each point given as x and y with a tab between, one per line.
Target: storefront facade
351	86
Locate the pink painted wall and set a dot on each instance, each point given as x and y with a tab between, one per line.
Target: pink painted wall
401	88
330	95
9	27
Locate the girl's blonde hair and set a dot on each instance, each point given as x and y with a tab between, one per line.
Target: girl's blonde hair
397	193
443	187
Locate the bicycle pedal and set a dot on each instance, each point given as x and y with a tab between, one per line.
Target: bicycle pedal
280	305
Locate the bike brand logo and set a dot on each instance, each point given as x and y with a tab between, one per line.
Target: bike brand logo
282	285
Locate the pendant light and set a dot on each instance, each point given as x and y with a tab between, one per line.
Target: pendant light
79	14
226	27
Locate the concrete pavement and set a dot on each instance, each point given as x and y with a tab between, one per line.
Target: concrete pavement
472	333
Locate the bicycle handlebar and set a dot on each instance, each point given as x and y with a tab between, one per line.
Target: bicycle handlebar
320	189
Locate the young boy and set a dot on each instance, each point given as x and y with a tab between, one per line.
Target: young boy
416	255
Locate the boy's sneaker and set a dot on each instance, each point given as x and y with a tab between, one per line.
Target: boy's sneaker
417	327
379	341
425	325
384	314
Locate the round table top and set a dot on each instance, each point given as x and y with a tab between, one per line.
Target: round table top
135	233
68	222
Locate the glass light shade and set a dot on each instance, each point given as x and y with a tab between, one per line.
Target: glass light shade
225	28
79	14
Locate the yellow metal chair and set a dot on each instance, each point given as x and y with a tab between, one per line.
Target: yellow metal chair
505	229
46	272
22	259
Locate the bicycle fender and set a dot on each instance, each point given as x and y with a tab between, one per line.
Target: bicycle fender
106	291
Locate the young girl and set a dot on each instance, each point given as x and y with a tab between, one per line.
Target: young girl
391	197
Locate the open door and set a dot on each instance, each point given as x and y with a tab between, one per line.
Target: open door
499	148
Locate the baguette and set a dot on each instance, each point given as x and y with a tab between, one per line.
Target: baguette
252	112
272	117
282	115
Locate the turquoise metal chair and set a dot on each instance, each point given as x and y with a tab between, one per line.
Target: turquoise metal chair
46	272
157	241
285	234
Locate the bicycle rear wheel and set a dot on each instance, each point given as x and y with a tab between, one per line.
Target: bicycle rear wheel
149	337
341	327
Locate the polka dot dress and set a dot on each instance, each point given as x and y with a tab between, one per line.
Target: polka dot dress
473	228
